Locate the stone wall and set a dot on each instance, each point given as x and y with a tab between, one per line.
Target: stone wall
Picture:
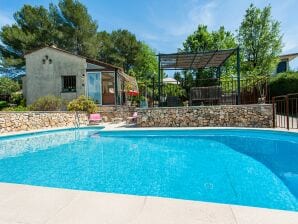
24	121
257	115
110	112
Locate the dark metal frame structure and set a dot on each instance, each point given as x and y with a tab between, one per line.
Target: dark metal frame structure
285	111
197	60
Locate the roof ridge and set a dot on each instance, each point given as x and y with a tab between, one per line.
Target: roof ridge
68	52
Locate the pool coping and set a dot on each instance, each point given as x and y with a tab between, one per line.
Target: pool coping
33	204
122	127
20	133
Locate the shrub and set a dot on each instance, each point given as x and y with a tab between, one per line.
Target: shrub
82	103
17	108
174	90
8	86
284	83
47	103
3	104
17	98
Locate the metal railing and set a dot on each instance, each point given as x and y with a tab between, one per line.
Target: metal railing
285	111
213	91
77	120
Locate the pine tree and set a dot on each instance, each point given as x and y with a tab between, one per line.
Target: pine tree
68	25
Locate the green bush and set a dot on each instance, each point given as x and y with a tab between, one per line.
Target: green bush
3	104
8	86
17	108
284	83
82	103
17	98
174	90
47	103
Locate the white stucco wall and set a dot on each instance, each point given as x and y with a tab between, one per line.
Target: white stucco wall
46	79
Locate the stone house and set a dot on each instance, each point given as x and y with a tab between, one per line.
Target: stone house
53	71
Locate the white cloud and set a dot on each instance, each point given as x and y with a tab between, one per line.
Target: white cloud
5	19
198	14
202	14
290	43
185	19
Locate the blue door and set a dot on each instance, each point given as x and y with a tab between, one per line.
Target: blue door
94	86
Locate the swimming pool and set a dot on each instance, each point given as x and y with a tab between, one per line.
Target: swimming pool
235	166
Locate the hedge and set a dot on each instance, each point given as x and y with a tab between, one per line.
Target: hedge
284	83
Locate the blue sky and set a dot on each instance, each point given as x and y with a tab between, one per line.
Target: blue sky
164	24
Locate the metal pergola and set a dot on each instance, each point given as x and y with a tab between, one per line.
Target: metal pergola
197	60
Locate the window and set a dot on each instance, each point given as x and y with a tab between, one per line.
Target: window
69	83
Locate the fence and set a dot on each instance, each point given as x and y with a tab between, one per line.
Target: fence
285	111
211	91
225	92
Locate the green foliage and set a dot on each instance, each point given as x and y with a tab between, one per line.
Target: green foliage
174	90
67	25
82	103
260	41
17	98
121	48
17	108
284	83
47	103
3	104
203	40
78	29
145	66
8	86
229	83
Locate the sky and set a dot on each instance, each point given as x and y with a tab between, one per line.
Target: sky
165	24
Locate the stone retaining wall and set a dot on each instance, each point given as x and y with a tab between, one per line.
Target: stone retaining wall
24	121
256	115
109	113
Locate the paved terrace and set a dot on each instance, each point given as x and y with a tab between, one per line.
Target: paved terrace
22	204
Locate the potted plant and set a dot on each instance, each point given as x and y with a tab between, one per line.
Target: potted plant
143	102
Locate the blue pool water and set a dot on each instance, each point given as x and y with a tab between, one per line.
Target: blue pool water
245	167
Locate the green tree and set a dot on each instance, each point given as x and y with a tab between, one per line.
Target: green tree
67	25
145	66
201	41
123	48
32	29
8	86
260	41
178	76
105	47
79	30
